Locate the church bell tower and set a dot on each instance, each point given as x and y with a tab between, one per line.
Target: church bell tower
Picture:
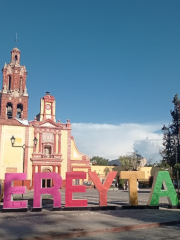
13	96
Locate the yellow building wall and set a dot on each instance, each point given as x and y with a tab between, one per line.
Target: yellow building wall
75	153
149	171
11	157
100	170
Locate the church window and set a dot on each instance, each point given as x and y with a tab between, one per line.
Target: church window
9	110
19	110
16	58
9	84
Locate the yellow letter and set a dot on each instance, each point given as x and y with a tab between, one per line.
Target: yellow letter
132	177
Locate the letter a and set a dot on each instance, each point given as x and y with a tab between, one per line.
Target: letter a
162	178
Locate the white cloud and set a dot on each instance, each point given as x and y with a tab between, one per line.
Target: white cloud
111	141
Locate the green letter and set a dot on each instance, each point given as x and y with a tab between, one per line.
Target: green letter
162	178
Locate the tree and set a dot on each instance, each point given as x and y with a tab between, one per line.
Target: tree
118	170
136	160
177	166
100	161
126	162
171	138
131	162
106	171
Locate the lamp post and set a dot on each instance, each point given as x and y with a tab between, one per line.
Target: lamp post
24	146
166	131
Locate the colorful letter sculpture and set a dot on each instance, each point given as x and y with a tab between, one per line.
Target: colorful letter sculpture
54	191
69	201
102	189
132	177
162	178
1	190
9	190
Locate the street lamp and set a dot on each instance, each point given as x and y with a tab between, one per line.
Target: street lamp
12	140
24	146
35	141
166	131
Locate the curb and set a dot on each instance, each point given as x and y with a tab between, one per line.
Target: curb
88	208
81	233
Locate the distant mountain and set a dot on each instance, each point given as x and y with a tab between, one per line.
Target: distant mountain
115	162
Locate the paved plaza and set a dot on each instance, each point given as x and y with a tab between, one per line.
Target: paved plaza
109	224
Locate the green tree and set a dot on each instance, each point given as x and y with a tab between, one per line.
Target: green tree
171	138
100	161
126	162
106	171
131	162
118	170
177	167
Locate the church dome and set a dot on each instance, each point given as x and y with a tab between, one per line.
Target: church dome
16	49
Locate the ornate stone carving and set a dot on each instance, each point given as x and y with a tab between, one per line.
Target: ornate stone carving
47	137
22	71
25	91
5	89
9	70
15	93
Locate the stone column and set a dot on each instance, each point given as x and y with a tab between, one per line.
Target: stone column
39	168
59	170
44	110
33	172
52	111
54	169
40	142
59	143
54	143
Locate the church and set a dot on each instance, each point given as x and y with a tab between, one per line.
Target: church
41	145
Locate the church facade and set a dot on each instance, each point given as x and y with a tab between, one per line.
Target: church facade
41	145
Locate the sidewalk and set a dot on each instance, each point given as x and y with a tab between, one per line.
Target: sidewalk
47	225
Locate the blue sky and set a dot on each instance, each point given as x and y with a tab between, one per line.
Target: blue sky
106	62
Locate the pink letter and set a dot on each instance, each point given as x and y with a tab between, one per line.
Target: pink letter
102	189
9	190
54	191
69	201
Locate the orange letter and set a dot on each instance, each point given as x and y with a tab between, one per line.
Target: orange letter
102	189
132	177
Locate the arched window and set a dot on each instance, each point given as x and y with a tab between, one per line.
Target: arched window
9	83
16	58
19	110
9	110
